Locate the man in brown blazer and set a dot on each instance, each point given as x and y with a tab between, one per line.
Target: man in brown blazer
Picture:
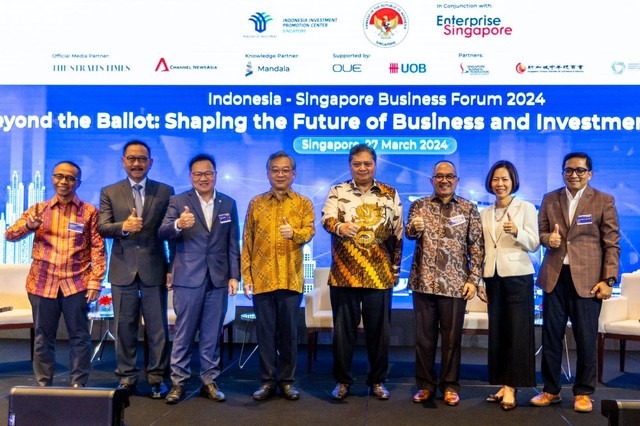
579	227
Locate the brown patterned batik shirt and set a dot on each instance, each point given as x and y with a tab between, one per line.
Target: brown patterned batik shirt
372	258
450	250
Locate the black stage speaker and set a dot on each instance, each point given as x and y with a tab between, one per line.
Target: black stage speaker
621	412
39	406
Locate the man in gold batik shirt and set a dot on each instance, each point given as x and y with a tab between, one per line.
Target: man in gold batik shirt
364	217
278	224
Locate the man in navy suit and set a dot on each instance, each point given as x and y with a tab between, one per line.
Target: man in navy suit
203	223
130	213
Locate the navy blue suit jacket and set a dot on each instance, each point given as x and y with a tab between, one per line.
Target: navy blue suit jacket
198	249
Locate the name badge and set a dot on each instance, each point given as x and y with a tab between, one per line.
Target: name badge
457	220
584	219
224	217
75	227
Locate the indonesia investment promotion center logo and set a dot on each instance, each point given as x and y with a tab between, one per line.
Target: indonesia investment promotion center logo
386	24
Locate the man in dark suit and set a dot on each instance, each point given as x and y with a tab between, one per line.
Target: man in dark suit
579	227
206	267
130	213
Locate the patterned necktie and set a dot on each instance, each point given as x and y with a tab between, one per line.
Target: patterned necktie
137	199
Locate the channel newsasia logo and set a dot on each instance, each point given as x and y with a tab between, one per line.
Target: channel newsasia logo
163	66
386	25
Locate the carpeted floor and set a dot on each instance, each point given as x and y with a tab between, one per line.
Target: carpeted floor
315	406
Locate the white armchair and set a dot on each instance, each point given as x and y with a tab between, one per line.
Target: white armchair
13	295
317	312
620	319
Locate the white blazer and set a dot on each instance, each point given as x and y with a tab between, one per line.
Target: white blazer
505	252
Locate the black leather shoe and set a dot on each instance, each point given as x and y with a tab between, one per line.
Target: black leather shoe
379	391
130	389
158	391
340	392
212	392
290	392
264	392
175	395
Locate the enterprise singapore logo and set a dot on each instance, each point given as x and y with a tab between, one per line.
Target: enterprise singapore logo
386	25
477	27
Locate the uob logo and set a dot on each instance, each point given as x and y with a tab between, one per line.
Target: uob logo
260	20
413	68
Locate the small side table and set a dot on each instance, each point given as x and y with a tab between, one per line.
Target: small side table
248	318
106	320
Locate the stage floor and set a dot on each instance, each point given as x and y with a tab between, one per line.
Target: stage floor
315	406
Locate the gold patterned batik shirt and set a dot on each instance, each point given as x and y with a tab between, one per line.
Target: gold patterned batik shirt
270	262
372	258
450	250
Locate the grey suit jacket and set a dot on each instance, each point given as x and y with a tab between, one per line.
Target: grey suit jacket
143	252
591	239
200	250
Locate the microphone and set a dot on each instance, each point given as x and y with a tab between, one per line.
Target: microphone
6	309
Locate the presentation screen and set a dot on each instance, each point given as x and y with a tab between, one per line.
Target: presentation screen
469	82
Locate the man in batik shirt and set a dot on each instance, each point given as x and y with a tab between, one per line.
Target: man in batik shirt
364	217
446	268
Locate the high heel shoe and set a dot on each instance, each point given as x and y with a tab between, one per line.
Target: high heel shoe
496	397
508	406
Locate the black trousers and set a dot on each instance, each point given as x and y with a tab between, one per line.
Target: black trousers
511	331
277	331
46	317
446	314
348	306
561	304
129	302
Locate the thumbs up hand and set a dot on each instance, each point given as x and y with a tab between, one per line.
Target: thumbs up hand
555	239
133	222
286	231
34	220
186	219
509	226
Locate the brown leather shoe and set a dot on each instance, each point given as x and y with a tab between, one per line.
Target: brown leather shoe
582	404
340	392
543	399
379	391
422	395
451	398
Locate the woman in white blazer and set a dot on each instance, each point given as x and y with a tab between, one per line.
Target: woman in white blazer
510	228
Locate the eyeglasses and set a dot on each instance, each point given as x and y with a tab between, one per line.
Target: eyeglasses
132	159
60	177
276	171
579	171
440	177
200	175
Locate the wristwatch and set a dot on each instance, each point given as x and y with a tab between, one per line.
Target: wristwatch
610	281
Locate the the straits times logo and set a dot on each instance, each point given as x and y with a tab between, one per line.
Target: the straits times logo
473	27
386	25
80	62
